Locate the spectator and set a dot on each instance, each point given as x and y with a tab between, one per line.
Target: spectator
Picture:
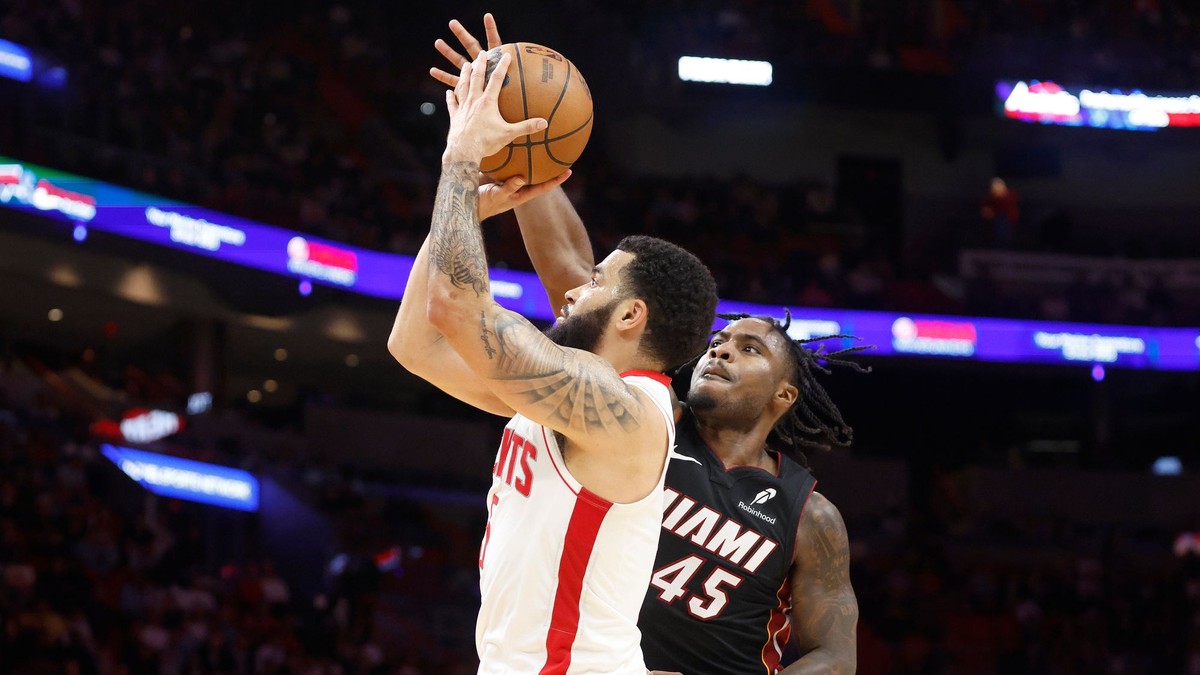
1001	212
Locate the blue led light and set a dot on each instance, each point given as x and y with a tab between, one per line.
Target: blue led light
187	479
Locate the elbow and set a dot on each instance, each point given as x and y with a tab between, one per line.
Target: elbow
441	312
401	347
396	346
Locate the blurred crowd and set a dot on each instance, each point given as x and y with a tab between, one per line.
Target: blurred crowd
1151	43
97	576
310	116
1044	596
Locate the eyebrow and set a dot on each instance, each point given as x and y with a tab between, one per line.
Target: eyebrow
745	337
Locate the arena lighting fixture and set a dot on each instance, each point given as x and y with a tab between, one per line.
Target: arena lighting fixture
725	71
16	63
64	274
199	402
1167	465
187	479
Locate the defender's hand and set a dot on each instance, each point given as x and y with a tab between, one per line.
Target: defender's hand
470	45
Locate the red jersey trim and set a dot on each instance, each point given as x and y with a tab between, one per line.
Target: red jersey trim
779	628
657	377
554	462
586	519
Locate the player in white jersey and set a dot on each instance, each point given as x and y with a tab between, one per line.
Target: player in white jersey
576	501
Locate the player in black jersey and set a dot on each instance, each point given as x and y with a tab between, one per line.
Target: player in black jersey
750	554
748	548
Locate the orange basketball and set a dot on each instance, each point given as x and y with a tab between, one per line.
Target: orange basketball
540	83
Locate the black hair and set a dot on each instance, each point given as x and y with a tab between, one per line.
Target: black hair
814	420
680	293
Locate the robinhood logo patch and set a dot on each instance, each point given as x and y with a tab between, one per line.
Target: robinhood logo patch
762	497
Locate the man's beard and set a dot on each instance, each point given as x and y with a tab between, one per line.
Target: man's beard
582	330
701	402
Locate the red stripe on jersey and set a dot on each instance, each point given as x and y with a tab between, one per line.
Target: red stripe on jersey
586	518
657	377
779	628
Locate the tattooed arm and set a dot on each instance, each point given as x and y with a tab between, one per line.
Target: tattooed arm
424	351
573	392
554	235
415	342
825	611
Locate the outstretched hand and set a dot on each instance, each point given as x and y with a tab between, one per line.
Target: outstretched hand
470	45
496	198
477	129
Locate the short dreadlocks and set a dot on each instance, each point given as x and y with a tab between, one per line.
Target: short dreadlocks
814	420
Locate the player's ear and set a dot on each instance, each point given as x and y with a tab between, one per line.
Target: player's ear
631	313
786	394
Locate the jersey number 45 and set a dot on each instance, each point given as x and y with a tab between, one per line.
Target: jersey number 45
672	582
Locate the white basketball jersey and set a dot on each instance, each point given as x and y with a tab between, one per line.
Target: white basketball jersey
562	571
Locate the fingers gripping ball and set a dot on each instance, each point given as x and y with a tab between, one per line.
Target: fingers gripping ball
540	83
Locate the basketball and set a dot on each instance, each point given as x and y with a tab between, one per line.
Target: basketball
540	83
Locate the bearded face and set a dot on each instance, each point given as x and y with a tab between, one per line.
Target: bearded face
582	329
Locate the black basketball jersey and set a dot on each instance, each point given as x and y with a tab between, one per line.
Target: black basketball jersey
720	599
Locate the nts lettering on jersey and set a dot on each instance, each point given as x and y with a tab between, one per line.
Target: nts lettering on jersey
717	533
512	464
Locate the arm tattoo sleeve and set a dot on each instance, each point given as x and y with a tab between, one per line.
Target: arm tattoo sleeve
456	243
570	391
574	390
826	611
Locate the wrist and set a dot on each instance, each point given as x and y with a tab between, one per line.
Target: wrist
457	153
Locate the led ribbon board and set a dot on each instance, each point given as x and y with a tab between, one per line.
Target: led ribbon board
94	204
16	63
97	205
1051	103
966	338
187	479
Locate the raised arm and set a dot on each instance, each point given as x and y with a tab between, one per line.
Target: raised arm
424	351
825	611
555	238
557	243
573	392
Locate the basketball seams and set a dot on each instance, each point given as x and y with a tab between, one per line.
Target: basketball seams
586	123
562	93
517	56
540	162
501	165
586	126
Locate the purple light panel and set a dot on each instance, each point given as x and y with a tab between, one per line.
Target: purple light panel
236	240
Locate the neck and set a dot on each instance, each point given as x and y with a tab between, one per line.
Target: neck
737	445
625	357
